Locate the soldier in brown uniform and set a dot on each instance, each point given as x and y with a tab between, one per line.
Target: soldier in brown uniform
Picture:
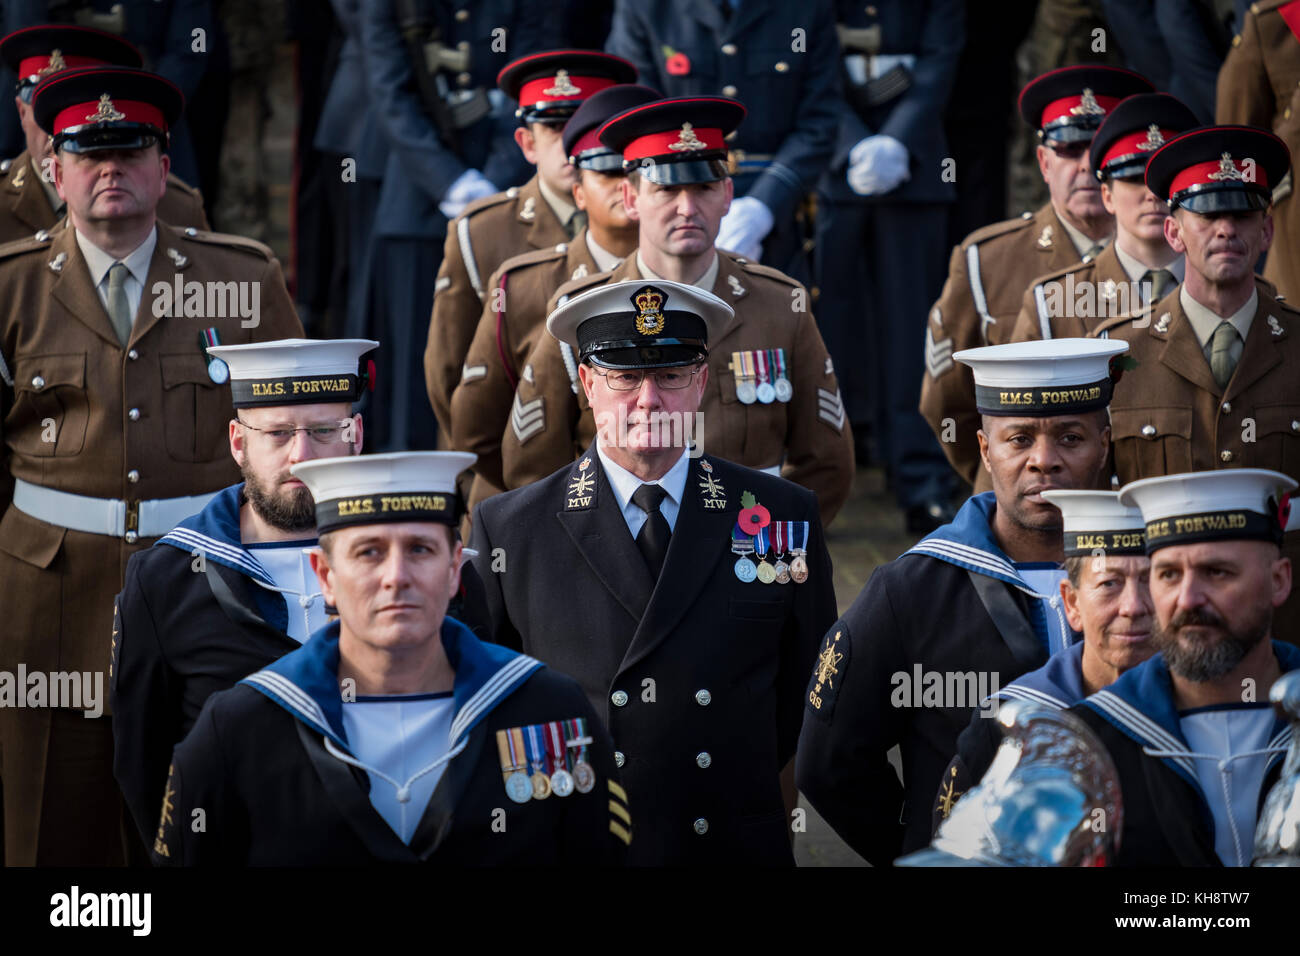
1139	265
114	425
514	315
28	199
772	400
1215	385
991	269
1259	85
537	215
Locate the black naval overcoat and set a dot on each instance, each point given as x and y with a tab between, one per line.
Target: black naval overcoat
253	784
185	629
699	676
918	615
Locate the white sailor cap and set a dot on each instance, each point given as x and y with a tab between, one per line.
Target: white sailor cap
373	489
1095	520
295	371
1043	378
641	323
1230	504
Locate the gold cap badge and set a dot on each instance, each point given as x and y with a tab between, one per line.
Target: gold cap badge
1088	105
56	63
650	318
1227	169
563	86
106	113
1154	139
687	140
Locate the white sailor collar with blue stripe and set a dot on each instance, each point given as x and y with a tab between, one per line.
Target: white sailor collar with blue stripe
1141	705
215	532
1057	684
305	682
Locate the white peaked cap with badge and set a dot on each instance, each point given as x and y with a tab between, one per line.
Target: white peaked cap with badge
1043	378
294	371
1094	510
1209	505
641	323
373	489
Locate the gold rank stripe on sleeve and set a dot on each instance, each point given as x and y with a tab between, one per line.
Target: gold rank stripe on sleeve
621	820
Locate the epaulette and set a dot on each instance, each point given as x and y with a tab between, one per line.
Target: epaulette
758	269
1116	321
578	286
534	257
5	164
1061	273
1263	6
32	243
487	202
995	229
227	239
174	182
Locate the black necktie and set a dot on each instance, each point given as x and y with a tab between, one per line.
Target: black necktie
654	535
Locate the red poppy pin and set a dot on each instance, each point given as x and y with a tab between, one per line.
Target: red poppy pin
753	517
675	62
1119	364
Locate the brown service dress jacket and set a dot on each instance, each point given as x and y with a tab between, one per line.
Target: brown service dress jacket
479	240
1073	301
1010	254
1259	85
551	423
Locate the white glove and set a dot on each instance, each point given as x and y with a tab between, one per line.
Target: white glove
744	227
469	185
877	165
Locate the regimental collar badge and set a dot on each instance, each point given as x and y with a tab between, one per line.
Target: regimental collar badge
1154	139
528	211
1227	169
180	260
1109	289
1274	325
563	86
1045	239
1162	323
56	63
711	486
736	288
581	487
687	140
56	264
649	303
106	112
1088	105
579	272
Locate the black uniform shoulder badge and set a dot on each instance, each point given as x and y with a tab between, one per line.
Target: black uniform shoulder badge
829	671
580	495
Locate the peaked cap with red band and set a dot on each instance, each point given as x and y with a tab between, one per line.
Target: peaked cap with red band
1067	105
675	141
1134	131
106	108
34	53
582	146
1219	169
550	86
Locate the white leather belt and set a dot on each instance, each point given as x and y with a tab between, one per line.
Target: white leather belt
111	516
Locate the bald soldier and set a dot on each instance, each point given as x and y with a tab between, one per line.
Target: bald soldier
1259	85
1139	265
514	315
115	428
540	214
28	200
991	269
772	400
1215	384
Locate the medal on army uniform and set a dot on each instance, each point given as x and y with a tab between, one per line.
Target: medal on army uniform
743	545
784	390
742	366
765	392
780	535
561	779
584	778
510	748
799	548
766	573
537	762
218	370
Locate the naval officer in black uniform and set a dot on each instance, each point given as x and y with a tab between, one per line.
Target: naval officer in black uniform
684	592
394	735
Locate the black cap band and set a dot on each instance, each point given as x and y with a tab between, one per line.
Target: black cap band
1040	402
698	169
298	390
1237	524
1130	541
387	507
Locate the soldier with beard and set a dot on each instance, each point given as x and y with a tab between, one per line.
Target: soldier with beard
230	589
1190	730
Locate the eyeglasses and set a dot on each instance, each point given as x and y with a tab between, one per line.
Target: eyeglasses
627	380
320	434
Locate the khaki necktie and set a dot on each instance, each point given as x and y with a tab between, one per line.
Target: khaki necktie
1222	359
1161	281
1093	251
119	309
576	222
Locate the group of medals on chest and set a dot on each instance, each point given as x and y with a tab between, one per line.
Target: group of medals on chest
544	759
761	376
755	533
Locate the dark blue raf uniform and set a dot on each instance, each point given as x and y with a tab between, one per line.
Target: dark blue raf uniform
695	48
897	66
409	228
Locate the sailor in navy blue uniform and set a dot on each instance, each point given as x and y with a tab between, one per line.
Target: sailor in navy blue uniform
1190	731
393	735
1106	597
975	603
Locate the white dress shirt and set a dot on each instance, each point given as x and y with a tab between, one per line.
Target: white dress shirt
704	282
137	263
562	208
625	484
1081	242
605	260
